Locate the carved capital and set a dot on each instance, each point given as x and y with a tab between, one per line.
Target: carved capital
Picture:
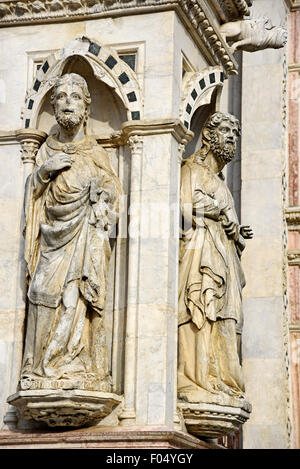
135	143
31	140
181	150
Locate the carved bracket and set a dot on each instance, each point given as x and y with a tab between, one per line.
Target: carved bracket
212	420
64	407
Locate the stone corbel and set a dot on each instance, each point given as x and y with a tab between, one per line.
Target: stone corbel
30	140
135	143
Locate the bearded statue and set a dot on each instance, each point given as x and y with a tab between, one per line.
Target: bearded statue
210	273
71	207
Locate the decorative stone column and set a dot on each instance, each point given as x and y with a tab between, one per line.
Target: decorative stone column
150	393
135	143
30	140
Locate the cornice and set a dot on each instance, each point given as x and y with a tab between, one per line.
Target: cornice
229	10
294	257
8	137
195	14
154	127
294	67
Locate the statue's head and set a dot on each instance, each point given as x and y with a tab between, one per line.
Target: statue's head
220	135
70	100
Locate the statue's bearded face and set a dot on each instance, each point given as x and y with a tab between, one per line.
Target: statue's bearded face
223	140
69	105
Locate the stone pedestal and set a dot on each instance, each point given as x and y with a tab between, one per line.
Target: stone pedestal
212	420
64	407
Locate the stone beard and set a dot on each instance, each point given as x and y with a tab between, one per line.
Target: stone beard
224	151
210	273
69	121
72	200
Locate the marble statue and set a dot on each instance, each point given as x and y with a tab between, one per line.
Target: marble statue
71	208
210	275
253	34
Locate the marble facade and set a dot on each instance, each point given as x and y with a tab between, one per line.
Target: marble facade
148	117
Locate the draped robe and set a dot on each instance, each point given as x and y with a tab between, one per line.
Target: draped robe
210	286
68	222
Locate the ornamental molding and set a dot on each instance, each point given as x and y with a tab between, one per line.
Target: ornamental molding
195	14
292	215
214	420
229	10
294	257
61	407
294	67
148	127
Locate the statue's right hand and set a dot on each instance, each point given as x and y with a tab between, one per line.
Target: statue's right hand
57	162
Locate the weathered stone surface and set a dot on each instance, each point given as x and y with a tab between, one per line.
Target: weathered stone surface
64	407
254	34
213	421
147	437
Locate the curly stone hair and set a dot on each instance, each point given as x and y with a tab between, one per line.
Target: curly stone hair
215	120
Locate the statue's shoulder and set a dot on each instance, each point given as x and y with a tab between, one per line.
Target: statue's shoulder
98	150
194	163
189	163
97	146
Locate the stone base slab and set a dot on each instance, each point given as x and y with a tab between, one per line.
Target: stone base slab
212	420
104	438
64	408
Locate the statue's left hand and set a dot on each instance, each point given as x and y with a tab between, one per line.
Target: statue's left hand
56	163
231	229
246	232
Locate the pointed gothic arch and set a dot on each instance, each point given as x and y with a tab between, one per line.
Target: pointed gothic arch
198	89
106	66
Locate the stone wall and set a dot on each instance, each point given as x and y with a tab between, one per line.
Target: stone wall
264	156
293	219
